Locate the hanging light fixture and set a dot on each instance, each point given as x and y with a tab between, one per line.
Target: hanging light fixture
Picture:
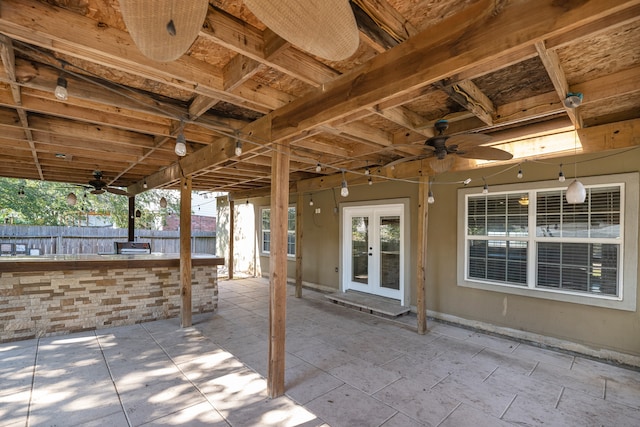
311	201
519	176
485	189
370	181
163	202
300	22
163	30
72	199
181	142
344	191
576	193
430	199
318	168
144	184
238	149
561	176
61	89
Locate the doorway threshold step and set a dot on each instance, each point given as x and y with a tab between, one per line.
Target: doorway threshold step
373	304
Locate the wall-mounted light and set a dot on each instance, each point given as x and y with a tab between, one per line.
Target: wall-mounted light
61	89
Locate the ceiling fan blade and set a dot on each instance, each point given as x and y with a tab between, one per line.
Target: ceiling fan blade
117	191
485	153
96	191
468	140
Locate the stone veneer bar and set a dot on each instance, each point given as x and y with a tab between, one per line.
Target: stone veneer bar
52	295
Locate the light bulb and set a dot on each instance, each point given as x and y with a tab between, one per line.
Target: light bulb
238	150
467	181
181	146
366	171
311	202
344	192
144	184
485	189
318	168
561	177
61	89
370	181
519	176
431	200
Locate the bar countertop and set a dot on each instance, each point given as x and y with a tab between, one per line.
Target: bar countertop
95	261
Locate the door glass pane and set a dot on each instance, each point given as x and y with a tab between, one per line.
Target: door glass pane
359	252
390	252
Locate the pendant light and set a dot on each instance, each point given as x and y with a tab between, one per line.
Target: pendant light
576	193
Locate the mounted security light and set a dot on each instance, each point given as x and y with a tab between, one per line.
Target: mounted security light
573	100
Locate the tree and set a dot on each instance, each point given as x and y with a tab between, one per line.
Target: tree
45	203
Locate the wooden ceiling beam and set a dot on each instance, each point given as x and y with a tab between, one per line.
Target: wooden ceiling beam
8	60
551	63
36	23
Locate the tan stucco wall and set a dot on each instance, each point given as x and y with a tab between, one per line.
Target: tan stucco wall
595	327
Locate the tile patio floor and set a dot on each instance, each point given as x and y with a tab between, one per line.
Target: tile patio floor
344	368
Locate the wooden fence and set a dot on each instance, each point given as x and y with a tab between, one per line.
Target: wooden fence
51	240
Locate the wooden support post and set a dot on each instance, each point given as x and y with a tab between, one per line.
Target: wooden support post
299	209
278	269
423	217
185	252
132	219
232	221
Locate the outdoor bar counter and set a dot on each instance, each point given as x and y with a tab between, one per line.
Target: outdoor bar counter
57	294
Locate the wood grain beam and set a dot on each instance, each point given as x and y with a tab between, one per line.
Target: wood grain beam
9	61
551	63
468	95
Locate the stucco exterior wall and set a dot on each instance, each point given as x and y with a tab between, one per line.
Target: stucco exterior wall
594	327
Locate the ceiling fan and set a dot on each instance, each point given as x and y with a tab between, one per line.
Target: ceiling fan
99	186
443	148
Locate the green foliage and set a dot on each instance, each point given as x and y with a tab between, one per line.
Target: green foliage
45	203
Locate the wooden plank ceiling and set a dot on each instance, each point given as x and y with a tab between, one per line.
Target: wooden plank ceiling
486	66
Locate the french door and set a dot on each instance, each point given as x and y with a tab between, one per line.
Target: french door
373	255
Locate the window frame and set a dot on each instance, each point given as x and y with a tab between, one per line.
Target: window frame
290	233
628	271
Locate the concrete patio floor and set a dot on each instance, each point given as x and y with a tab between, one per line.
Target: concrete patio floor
343	368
